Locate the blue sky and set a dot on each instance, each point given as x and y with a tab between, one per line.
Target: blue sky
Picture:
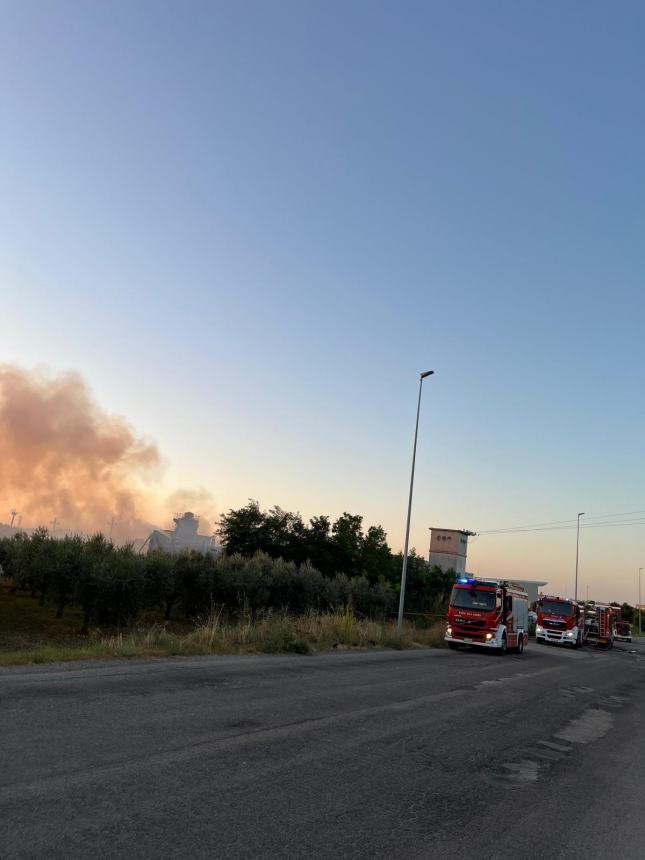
250	225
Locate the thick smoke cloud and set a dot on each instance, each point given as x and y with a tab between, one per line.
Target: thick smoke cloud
62	457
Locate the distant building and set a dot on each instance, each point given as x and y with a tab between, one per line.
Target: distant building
448	549
533	587
183	537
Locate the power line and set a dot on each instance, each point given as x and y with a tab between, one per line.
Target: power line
555	528
564	524
525	527
622	514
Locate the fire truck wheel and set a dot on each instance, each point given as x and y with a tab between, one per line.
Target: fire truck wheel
520	644
502	648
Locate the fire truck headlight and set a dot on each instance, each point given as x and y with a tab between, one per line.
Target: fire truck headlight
489	636
449	631
539	628
569	634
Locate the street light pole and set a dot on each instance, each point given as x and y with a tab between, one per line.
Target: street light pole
581	514
640	624
404	570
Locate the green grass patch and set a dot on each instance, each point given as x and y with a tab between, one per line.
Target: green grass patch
22	621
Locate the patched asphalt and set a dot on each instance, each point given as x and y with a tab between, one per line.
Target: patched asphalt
418	754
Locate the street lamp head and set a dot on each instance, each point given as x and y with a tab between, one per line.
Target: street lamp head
581	514
427	373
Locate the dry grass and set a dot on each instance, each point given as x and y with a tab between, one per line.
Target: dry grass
268	632
276	632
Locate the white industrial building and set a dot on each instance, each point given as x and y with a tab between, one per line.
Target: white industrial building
183	537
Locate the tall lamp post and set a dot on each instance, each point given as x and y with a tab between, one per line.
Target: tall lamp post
640	624
404	570
581	514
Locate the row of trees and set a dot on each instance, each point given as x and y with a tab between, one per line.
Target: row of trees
114	585
332	547
627	612
343	545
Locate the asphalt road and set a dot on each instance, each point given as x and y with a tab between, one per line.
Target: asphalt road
356	755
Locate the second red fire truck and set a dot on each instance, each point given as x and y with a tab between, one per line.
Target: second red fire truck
559	621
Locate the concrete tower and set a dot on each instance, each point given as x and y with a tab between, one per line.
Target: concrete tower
448	549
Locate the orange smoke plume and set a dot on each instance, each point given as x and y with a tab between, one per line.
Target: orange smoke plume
63	458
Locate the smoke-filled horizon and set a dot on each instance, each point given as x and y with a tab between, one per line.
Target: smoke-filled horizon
64	459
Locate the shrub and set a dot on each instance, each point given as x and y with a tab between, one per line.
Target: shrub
112	586
161	585
120	587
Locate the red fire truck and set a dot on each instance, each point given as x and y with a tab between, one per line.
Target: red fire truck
560	621
488	613
623	631
600	621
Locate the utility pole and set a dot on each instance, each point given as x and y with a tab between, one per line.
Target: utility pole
577	548
54	523
404	571
640	622
14	514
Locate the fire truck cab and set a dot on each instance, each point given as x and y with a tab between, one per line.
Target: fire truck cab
559	621
488	613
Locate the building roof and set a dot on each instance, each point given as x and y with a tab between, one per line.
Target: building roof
466	532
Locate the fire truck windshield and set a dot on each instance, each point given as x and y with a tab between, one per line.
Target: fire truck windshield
472	598
556	607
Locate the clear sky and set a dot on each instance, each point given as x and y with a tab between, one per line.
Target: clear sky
250	225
